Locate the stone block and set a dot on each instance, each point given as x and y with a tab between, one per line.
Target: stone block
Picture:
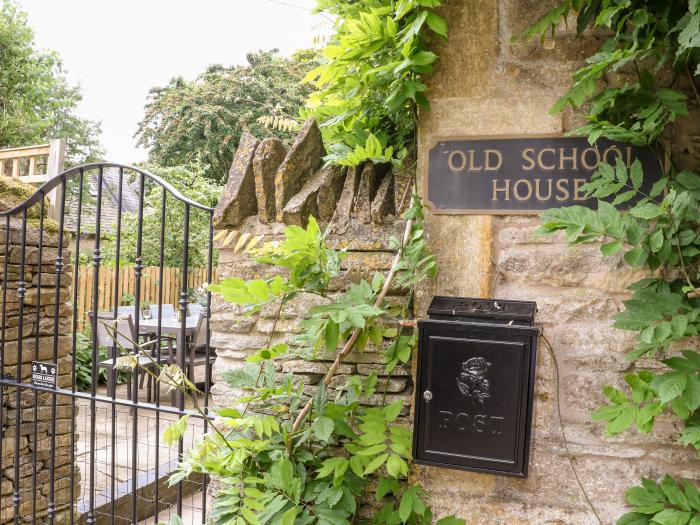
330	191
238	199
302	160
304	203
383	201
268	157
346	202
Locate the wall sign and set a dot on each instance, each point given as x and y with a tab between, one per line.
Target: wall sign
474	385
500	175
44	374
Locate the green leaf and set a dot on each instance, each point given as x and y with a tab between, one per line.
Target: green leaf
450	520
635	257
375	463
396	466
323	428
289	517
437	24
672	517
647	211
611	248
406	505
174	432
670	385
332	335
633	518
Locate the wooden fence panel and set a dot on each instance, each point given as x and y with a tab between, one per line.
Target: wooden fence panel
150	287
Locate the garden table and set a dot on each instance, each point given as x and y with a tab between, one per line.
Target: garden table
171	327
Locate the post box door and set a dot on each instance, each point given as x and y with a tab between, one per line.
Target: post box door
474	396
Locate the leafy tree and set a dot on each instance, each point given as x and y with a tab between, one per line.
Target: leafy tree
659	44
369	86
192	183
36	101
203	120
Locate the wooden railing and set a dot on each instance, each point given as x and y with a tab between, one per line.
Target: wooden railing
35	165
127	280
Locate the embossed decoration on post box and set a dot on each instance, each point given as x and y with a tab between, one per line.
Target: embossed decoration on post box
521	175
475	382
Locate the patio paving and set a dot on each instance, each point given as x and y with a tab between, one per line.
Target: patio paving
113	457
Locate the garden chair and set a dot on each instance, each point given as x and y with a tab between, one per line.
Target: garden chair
121	345
198	347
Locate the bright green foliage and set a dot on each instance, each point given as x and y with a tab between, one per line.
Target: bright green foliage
36	101
369	85
665	503
201	121
192	183
658	231
320	471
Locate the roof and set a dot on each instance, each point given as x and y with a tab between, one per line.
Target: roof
110	202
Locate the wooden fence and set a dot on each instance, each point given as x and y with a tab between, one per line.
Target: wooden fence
127	285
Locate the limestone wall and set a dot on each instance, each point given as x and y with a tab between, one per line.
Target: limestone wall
269	188
39	309
484	85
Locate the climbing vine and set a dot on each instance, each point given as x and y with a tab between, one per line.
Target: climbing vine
657	46
285	457
370	84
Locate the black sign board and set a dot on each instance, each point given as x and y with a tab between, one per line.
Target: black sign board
475	383
44	374
499	175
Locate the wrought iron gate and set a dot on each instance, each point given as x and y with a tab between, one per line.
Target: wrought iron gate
97	456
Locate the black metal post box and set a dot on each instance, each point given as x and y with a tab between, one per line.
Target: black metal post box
474	385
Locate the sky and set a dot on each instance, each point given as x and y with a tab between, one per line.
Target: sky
117	50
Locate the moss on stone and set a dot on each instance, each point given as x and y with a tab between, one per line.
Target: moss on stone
14	192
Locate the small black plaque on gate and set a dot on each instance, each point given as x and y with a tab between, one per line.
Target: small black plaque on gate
523	175
44	374
475	382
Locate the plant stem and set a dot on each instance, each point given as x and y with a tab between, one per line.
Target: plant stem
350	343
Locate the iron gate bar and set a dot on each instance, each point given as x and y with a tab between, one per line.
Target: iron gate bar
138	268
16	498
159	333
7	382
36	356
183	328
57	302
74	342
2	343
96	259
12	382
113	375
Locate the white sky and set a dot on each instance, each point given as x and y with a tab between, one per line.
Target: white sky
118	49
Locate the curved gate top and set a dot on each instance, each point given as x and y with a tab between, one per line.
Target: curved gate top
109	280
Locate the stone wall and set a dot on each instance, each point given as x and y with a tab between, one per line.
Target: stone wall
269	188
38	319
485	85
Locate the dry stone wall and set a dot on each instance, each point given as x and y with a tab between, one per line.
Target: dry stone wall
485	85
283	188
40	307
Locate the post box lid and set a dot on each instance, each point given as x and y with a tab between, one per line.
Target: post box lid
471	307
